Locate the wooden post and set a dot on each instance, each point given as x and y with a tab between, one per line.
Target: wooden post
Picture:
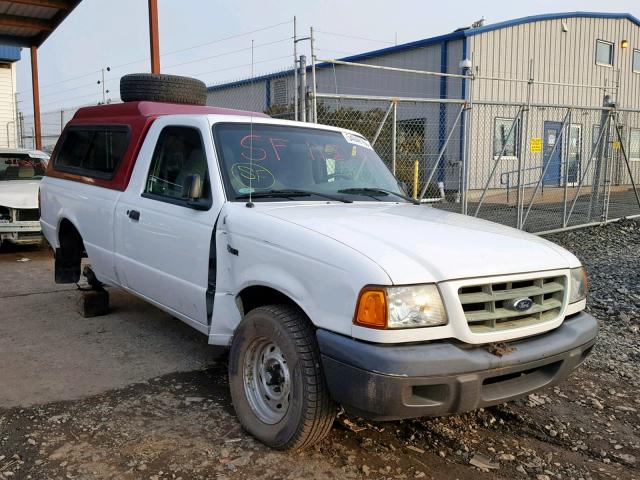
36	99
154	42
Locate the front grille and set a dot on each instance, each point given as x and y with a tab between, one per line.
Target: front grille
487	306
28	215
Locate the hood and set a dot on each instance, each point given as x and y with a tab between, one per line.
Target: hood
421	244
19	193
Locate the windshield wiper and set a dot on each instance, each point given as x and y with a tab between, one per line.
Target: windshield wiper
291	193
371	192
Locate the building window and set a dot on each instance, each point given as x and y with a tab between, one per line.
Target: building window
604	53
636	61
503	140
634	144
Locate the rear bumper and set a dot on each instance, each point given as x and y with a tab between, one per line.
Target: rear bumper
388	382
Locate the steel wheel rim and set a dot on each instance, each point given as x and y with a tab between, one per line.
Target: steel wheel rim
267	380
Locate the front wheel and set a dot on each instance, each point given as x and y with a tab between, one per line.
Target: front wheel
276	379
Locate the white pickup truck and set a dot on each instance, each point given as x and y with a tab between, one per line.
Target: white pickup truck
294	245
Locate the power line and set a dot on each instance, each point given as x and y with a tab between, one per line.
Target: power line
231	37
95	94
241	66
341	52
354	37
227	53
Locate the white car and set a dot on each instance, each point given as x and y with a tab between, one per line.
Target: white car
294	245
21	171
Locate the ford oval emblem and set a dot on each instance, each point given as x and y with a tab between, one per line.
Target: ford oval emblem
521	304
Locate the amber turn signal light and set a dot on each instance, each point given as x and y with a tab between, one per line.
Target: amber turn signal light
372	309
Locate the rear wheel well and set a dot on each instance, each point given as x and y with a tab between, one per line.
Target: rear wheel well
69	254
258	296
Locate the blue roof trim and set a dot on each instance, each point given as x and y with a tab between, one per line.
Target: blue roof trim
9	54
469	32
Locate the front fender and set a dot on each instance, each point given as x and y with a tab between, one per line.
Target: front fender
322	276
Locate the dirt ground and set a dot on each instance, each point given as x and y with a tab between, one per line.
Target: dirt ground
169	416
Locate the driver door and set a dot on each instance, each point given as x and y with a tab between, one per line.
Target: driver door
162	243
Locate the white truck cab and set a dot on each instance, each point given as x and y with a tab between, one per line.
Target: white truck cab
295	246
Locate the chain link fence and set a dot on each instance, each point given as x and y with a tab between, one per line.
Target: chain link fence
52	124
534	166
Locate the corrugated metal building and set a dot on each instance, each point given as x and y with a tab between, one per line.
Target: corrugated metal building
591	54
8	115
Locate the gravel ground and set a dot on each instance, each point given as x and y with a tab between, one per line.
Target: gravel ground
182	426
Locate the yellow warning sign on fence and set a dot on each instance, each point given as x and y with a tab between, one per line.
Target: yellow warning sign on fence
616	145
535	144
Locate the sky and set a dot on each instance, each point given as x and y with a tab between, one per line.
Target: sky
211	39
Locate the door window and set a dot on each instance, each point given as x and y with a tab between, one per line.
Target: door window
575	153
178	154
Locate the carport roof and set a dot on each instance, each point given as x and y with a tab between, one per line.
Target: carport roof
28	23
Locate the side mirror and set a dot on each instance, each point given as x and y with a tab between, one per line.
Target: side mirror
192	187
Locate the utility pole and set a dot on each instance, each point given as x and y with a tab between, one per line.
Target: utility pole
303	88
154	42
295	70
300	81
37	129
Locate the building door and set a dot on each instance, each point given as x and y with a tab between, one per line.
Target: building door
552	153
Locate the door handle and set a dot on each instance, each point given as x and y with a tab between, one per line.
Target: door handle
134	214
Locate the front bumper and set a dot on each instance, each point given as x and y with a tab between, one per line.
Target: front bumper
389	382
21	232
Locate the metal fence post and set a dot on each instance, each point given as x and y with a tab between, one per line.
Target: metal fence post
523	149
605	122
303	88
394	119
21	128
314	105
466	147
295	69
566	172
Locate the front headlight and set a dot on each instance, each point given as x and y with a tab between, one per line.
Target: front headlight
578	285
411	306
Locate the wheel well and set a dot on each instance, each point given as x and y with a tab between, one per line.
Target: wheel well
258	296
70	239
68	257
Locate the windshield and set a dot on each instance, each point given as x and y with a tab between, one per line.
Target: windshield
20	166
276	162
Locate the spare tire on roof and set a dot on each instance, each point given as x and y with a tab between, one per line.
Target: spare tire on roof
162	88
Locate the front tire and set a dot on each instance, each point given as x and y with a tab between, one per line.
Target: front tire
276	380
